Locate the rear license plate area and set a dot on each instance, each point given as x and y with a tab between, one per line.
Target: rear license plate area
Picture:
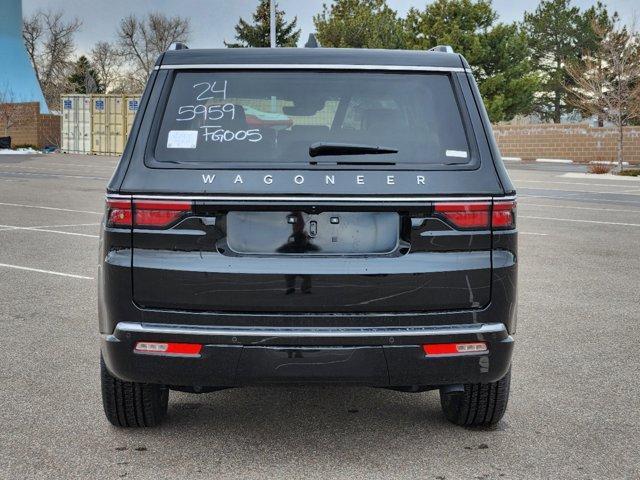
326	233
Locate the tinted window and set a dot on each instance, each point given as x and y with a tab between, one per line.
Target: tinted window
272	118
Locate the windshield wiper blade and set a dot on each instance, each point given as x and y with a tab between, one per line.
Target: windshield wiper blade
327	148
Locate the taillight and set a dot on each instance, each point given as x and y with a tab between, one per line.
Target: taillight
465	215
145	213
504	215
119	213
158	214
476	215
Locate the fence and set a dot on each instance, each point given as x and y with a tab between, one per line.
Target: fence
579	143
27	126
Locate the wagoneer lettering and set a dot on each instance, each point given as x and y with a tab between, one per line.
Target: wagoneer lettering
308	216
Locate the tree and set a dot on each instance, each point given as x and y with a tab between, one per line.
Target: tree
608	80
84	78
459	23
504	72
558	33
142	40
50	45
257	34
497	52
107	61
359	24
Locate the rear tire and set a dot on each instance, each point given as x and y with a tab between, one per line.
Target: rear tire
480	405
132	404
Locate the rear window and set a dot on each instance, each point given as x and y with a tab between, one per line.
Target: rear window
232	119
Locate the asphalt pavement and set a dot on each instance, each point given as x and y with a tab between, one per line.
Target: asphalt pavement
574	410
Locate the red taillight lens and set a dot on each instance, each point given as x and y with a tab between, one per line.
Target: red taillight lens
465	215
119	213
454	348
158	214
504	214
170	348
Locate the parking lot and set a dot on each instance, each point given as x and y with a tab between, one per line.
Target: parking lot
575	398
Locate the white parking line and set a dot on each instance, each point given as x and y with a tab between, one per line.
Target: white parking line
588	200
38	229
49	208
533	233
581	221
576	192
68	225
590	184
526	204
34	174
50	272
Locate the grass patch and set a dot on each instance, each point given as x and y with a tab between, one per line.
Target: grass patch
631	172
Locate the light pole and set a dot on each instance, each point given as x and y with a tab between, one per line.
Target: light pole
272	23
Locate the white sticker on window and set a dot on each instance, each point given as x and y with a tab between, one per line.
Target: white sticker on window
456	153
182	139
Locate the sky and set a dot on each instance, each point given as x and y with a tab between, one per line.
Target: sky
212	21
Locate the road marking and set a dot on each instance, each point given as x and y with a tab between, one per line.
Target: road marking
55	166
50	208
50	272
581	221
599	176
512	159
34	174
37	229
68	225
576	192
583	199
533	233
71	165
521	204
590	184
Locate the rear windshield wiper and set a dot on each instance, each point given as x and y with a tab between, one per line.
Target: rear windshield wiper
326	148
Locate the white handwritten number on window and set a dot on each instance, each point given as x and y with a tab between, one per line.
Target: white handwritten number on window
206	88
213	112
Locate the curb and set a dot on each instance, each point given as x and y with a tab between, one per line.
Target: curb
603	162
553	160
511	159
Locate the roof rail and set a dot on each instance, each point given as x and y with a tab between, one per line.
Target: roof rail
178	46
442	48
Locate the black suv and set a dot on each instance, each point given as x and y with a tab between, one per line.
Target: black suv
308	216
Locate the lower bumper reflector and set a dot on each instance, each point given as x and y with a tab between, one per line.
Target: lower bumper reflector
170	349
432	349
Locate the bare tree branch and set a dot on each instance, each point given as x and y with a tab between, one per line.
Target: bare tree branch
142	40
107	60
50	45
607	82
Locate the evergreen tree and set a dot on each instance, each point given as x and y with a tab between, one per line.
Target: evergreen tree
497	53
257	34
359	24
84	79
557	34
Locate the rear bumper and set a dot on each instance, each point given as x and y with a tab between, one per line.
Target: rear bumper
236	356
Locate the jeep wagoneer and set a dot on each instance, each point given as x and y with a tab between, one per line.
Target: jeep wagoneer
292	216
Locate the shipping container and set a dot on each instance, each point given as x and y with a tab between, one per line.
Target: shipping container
108	124
97	124
133	103
76	124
